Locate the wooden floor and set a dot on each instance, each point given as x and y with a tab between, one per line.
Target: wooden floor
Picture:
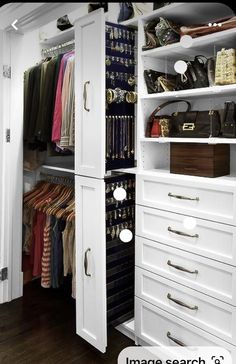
40	328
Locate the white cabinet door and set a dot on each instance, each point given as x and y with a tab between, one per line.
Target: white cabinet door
90	95
91	261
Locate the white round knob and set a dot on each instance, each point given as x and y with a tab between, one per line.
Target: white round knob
126	235
119	194
180	67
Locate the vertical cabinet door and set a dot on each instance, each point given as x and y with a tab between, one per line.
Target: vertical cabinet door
90	95
91	261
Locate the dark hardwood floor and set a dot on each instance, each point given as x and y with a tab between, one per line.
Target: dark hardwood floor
40	328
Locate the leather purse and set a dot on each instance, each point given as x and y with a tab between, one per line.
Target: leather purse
126	12
229	120
196	75
159	82
187	124
63	23
167	32
204	29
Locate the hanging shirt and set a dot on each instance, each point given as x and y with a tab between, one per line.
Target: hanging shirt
46	257
68	95
57	116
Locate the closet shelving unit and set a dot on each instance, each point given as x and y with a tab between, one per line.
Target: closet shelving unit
165	202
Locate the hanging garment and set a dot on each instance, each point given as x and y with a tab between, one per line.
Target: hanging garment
43	128
69	252
38	242
68	105
57	116
32	91
28	218
57	252
46	257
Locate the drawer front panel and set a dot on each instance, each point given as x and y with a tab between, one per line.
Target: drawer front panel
205	275
153	324
203	311
206	238
188	196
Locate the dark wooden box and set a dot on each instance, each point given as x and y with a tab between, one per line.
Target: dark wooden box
197	159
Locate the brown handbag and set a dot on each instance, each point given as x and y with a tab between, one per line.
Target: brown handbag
204	29
188	124
158	125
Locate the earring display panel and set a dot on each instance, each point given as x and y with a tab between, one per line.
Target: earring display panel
120	96
120	218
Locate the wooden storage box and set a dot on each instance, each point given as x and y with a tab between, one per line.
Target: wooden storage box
200	159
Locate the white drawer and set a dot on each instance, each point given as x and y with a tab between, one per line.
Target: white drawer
207	200
212	315
209	239
210	277
152	325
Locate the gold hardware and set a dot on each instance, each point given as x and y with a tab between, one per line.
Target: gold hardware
188	126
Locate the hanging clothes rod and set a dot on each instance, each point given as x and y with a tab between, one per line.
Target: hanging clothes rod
57	179
60	48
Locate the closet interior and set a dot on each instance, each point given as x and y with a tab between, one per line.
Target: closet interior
155	252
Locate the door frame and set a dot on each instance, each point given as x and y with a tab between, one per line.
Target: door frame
5	190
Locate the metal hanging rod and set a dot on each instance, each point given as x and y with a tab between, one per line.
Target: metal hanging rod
57	179
60	48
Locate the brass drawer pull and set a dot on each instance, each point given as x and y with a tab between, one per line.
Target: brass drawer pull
178	267
177	341
86	263
182	233
178	302
179	197
85	95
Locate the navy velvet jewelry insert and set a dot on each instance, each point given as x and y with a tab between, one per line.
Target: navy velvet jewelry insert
120	81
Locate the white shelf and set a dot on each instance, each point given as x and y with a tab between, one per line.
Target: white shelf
190	13
212	140
229	180
194	13
62	37
197	92
59	168
207	45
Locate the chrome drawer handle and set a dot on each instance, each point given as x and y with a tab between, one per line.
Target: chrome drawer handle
182	233
177	341
86	262
179	197
85	95
178	302
178	267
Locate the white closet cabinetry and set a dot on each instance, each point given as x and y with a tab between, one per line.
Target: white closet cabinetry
185	225
91	261
90	95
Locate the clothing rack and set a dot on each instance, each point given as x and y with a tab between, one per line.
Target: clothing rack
57	179
58	49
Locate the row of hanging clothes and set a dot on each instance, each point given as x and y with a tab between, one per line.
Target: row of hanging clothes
49	232
49	102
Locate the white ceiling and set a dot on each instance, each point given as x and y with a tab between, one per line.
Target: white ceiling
31	15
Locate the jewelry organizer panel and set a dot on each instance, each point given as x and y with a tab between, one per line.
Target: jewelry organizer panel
120	96
120	215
